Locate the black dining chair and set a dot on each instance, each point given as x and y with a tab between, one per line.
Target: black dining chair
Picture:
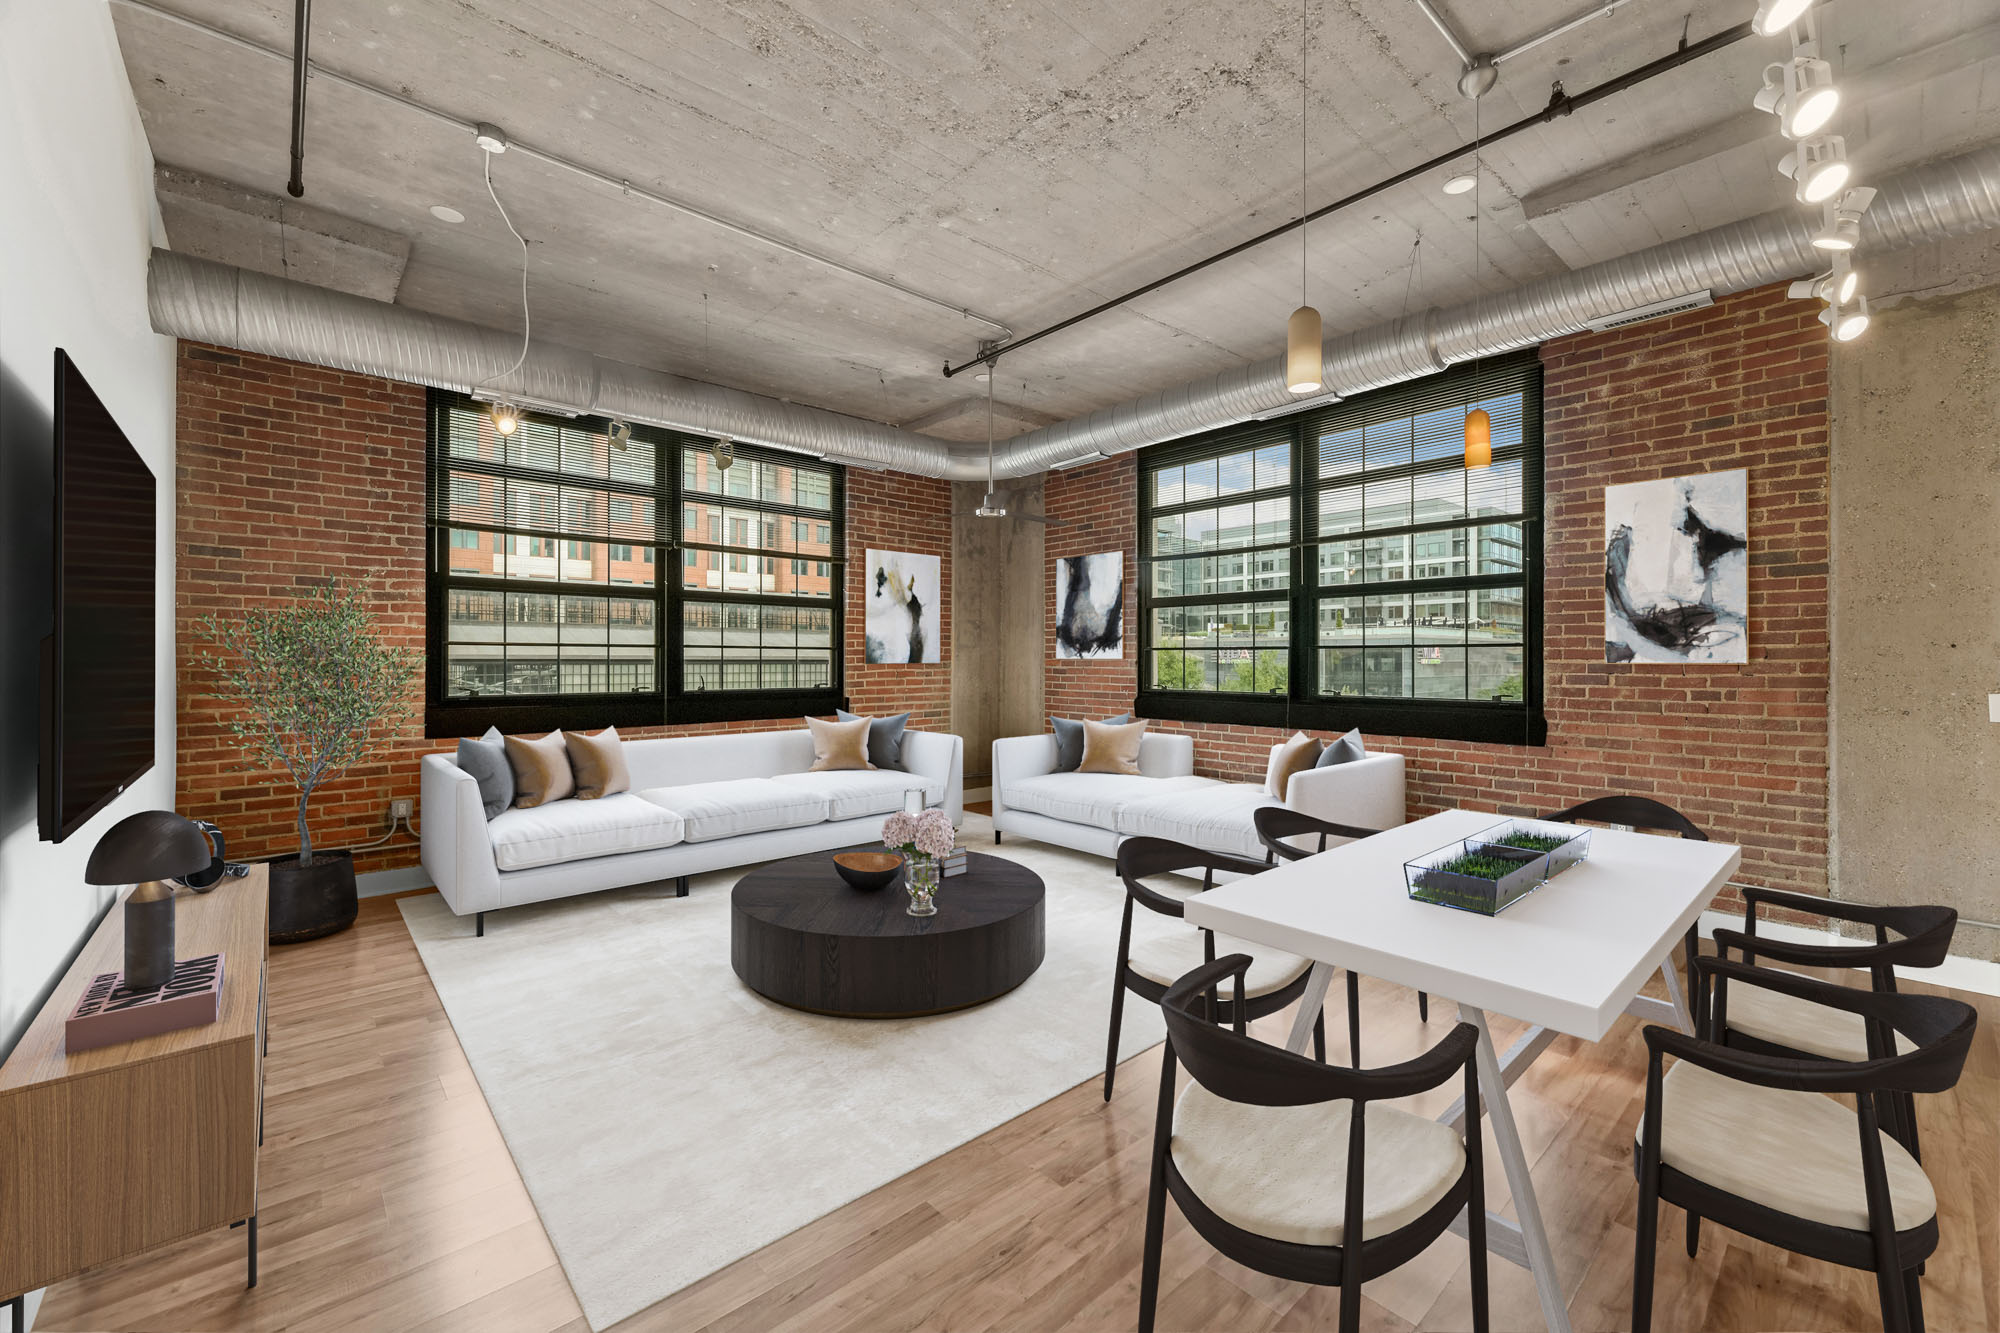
1275	979
1757	1142
1299	1169
1277	825
1648	815
1770	1022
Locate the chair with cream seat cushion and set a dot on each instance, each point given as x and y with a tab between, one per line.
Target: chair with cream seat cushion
1757	1142
1764	1021
1159	954
1302	1170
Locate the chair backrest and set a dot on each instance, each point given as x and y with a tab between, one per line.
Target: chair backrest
1925	935
1275	823
1938	1028
1640	812
1232	1064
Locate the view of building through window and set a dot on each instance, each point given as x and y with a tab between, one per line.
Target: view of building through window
1418	579
553	540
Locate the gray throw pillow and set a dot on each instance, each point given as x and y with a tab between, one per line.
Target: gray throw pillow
1343	751
885	738
1069	740
486	759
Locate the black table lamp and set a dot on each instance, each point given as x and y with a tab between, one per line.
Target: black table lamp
147	849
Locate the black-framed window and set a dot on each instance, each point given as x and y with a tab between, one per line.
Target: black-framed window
547	551
1342	567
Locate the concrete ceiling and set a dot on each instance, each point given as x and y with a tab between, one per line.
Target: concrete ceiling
1019	158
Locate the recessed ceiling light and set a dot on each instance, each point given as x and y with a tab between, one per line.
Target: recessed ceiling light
1460	184
446	213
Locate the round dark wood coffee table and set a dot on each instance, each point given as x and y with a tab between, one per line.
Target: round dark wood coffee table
799	935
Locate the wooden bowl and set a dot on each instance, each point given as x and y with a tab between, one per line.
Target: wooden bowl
868	871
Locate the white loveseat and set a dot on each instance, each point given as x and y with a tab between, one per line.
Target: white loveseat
697	803
1094	812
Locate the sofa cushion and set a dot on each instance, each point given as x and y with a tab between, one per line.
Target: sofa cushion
573	830
598	763
1091	798
485	757
1343	750
885	738
711	810
1220	817
1069	740
855	794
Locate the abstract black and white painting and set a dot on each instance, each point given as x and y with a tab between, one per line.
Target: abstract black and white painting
905	612
1677	569
1090	605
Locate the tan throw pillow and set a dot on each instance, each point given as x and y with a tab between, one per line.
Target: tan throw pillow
1296	755
541	770
1111	749
838	746
598	762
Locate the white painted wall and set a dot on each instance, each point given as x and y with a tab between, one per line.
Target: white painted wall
77	221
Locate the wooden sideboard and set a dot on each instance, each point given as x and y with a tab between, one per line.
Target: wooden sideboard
112	1150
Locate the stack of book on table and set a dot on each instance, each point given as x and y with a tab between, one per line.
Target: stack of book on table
953	864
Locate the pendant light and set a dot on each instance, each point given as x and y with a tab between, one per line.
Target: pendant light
1478	425
1304	364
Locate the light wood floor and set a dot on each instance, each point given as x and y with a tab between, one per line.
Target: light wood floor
389	1201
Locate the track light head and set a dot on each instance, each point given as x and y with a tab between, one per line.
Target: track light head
1775	15
506	417
1846	325
1842	227
620	435
1800	93
1818	168
1836	287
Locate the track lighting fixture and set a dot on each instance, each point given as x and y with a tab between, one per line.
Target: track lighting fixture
723	451
1836	287
506	417
1818	168
620	435
1800	93
1846	325
1842	229
1777	15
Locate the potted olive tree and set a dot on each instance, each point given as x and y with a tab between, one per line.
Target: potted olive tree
315	689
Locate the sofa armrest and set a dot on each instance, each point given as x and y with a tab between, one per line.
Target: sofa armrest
938	756
451	826
1019	757
1367	792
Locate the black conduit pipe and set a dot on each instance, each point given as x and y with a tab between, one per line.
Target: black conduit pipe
1560	104
301	28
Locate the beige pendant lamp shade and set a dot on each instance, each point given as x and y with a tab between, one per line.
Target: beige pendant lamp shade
1302	351
1478	438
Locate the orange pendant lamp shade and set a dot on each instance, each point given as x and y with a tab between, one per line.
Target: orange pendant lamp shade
1302	351
1478	438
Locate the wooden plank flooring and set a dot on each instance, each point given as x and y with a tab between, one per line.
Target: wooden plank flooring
390	1202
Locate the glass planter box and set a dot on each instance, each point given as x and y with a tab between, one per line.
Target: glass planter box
1446	878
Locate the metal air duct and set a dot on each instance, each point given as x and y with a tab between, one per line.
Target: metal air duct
208	302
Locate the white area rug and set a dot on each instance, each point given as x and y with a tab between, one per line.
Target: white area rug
668	1120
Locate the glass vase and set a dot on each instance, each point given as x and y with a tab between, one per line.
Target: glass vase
921	879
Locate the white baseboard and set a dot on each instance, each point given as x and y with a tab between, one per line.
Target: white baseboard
1957	972
376	883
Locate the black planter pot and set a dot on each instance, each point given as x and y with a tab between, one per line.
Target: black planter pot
310	901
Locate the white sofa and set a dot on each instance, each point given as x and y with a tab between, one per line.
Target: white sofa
697	803
1094	812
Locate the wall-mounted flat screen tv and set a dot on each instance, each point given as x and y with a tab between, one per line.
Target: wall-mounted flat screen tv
97	668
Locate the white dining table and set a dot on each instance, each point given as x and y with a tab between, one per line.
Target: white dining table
1569	958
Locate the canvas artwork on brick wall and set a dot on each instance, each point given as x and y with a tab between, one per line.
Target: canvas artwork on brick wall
289	473
1741	748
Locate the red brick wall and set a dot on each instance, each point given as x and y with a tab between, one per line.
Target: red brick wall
289	473
1741	749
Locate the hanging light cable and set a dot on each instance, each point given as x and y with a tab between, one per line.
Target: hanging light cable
506	416
1304	358
1478	425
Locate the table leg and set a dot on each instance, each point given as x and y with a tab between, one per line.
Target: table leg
1310	1005
1500	1113
1681	1014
